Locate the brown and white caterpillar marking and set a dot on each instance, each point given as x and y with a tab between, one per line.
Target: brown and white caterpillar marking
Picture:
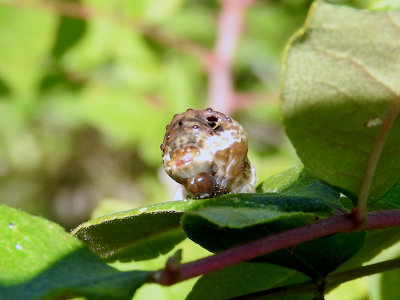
206	152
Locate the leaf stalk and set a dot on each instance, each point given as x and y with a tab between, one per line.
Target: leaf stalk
360	211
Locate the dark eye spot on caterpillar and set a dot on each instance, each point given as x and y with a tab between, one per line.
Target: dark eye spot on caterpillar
206	152
212	121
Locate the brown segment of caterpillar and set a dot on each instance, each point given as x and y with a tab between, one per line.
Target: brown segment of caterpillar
206	152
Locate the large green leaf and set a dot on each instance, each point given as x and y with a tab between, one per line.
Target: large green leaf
340	84
297	182
149	231
245	278
236	219
39	260
137	234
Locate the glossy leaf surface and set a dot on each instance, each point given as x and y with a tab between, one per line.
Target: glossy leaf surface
39	260
340	89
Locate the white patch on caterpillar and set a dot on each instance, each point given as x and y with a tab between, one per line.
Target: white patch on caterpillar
222	140
373	122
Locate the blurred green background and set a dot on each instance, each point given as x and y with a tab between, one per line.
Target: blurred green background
84	101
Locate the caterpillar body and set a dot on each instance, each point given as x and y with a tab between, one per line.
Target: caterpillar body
206	152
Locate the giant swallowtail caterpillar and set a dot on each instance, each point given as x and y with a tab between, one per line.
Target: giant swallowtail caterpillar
206	152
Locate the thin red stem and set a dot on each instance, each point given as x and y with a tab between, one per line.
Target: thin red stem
223	259
230	22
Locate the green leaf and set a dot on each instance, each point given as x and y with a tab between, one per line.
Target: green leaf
391	200
69	31
340	84
389	285
377	285
350	290
318	257
39	260
385	284
245	278
28	30
147	232
4	89
148	11
384	5
243	210
236	219
297	182
375	241
136	234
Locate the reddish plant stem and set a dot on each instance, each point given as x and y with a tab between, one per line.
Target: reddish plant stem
360	211
230	22
330	282
223	259
244	100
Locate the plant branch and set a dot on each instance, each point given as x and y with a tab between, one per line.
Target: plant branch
223	259
309	286
85	12
359	272
361	210
330	282
230	22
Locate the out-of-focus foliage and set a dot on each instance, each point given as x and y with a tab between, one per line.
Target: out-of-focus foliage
84	101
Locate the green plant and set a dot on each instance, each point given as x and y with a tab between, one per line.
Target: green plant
304	232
